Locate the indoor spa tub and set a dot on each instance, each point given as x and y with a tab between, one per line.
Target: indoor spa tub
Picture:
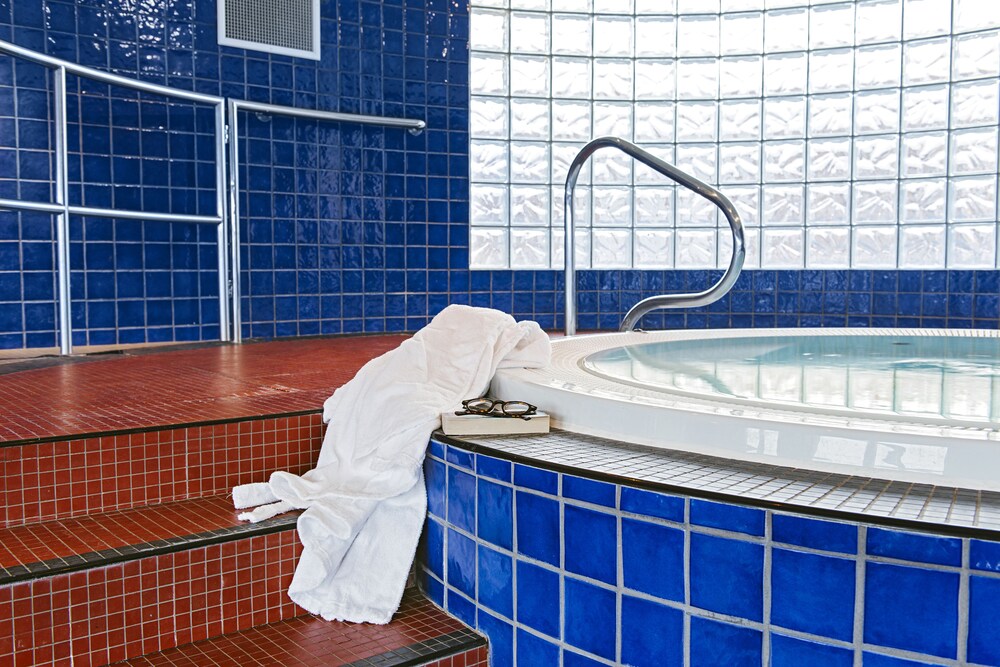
911	405
765	497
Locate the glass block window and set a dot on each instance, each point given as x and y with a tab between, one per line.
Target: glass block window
848	134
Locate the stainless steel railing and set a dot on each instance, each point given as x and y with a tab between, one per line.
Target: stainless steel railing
227	207
62	209
687	300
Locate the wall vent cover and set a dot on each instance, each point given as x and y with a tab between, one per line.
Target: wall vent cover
288	27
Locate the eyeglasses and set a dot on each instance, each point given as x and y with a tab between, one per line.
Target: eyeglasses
489	407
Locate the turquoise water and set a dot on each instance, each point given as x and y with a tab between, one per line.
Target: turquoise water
932	377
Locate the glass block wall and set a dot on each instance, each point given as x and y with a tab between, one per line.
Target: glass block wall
855	134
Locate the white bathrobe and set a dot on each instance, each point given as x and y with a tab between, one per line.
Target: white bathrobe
365	501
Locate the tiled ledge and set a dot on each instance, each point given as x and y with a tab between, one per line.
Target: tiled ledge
944	510
57	547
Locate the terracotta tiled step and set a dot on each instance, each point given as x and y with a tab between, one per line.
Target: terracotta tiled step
42	549
419	634
106	587
180	387
76	477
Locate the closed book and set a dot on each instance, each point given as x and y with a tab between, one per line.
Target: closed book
452	424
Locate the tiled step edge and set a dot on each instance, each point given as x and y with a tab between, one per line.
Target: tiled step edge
70	478
128	552
419	634
132	608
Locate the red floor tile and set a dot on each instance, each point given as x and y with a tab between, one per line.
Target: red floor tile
181	386
40	542
309	641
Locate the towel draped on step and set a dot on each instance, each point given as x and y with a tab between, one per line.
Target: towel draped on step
365	500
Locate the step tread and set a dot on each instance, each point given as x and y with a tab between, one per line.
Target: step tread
52	547
418	633
192	386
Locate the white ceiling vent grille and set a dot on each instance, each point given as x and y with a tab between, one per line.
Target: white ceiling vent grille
289	27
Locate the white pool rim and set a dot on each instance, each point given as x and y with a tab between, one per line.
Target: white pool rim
960	455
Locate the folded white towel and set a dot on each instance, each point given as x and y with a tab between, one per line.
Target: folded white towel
365	500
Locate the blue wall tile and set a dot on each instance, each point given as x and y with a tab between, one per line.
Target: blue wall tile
653	559
791	652
533	650
436	449
727	517
538	598
590	618
501	638
495	520
652	634
652	503
984	601
433	547
496	589
460	458
984	555
538	527
591	543
461	563
588	490
435	477
812	593
433	588
536	478
461	608
494	468
462	499
727	576
914	547
571	659
912	609
714	644
814	533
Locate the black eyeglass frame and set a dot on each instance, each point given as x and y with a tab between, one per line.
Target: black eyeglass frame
490	406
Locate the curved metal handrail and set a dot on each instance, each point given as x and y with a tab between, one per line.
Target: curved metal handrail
713	293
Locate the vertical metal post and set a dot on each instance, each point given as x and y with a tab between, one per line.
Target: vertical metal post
234	219
222	232
62	219
570	252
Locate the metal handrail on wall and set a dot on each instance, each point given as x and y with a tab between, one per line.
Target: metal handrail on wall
62	209
688	300
227	208
235	106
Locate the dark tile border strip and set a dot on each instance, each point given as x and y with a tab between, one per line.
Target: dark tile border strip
695	492
40	440
92	559
425	651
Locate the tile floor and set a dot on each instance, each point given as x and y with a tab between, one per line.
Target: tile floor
420	632
186	386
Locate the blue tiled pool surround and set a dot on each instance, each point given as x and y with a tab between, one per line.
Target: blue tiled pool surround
607	573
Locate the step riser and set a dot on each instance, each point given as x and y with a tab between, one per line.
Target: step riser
129	609
476	657
65	479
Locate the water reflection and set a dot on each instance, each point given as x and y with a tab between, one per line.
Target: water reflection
937	378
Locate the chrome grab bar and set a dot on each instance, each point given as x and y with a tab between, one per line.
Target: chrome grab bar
713	293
